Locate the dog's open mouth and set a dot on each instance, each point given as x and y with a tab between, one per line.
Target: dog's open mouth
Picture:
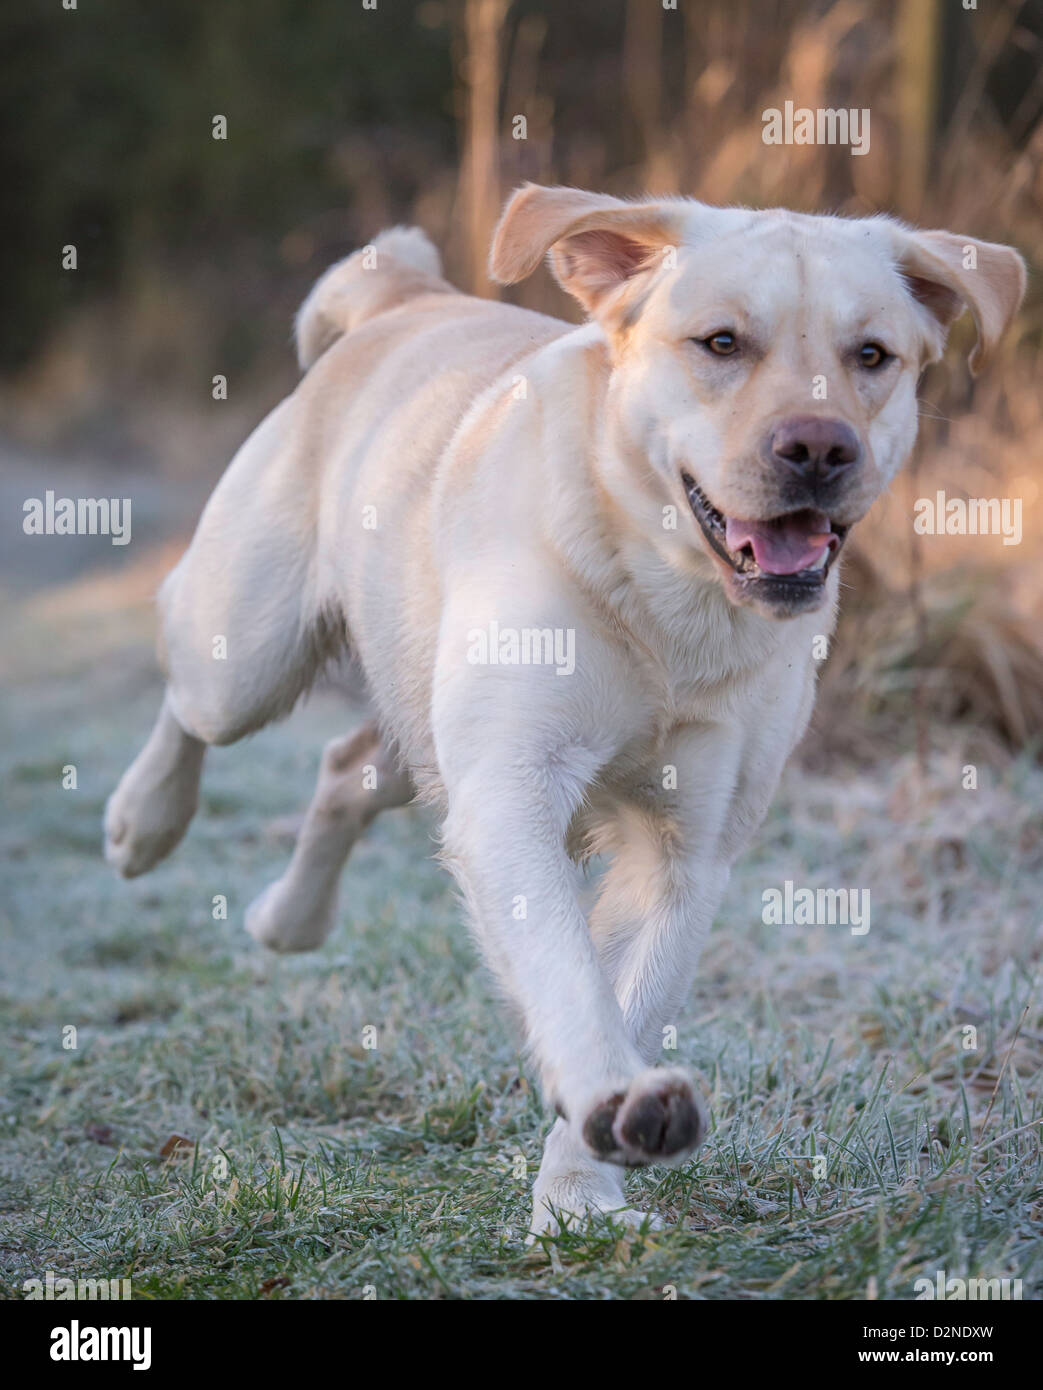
785	554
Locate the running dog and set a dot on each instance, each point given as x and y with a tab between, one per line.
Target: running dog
579	571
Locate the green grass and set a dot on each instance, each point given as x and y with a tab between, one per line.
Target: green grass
318	1167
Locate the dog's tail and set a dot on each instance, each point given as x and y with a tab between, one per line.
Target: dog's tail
397	264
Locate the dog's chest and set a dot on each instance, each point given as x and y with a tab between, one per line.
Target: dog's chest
708	670
663	702
705	665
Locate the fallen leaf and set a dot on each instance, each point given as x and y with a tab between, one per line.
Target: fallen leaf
175	1143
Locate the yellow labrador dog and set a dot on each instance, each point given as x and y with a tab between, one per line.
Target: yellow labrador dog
580	571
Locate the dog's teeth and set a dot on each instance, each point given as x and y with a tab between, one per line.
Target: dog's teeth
820	562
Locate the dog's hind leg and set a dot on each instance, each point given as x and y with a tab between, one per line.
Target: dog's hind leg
358	778
150	810
252	612
244	630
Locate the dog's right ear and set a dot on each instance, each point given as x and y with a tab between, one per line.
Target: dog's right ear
598	244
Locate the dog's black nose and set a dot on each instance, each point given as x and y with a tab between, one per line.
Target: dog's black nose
814	448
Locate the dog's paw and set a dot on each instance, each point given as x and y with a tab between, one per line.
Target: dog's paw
551	1220
141	828
570	1201
286	921
658	1117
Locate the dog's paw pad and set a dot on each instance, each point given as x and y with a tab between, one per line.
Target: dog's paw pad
597	1128
658	1117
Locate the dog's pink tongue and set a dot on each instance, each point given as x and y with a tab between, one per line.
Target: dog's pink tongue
785	545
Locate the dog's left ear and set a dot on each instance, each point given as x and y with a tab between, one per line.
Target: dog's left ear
598	244
947	273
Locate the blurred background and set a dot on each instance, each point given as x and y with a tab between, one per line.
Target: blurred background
194	252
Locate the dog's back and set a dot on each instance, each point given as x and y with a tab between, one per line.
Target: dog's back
398	357
317	538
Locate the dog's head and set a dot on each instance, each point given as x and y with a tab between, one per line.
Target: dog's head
764	365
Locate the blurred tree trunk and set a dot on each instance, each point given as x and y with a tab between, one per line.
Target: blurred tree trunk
642	87
709	85
528	158
917	37
480	177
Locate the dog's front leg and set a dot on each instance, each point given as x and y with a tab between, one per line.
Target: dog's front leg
505	840
670	854
649	925
669	866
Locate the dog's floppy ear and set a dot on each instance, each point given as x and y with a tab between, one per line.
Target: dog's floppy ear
597	243
947	273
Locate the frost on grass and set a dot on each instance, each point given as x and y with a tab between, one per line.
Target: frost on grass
359	1120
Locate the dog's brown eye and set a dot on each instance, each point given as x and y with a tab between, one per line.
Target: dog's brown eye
723	344
872	355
